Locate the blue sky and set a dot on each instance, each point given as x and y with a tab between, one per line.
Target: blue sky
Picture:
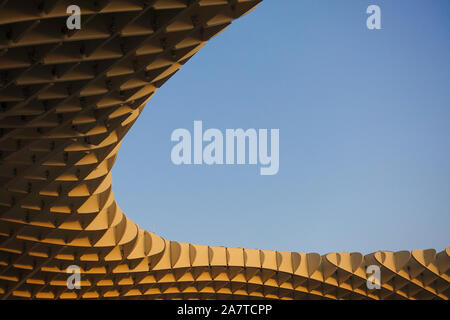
364	119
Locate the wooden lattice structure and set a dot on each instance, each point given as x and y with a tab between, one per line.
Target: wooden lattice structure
67	98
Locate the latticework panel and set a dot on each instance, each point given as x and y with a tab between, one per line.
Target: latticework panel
67	99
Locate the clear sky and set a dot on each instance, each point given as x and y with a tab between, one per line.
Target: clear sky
364	119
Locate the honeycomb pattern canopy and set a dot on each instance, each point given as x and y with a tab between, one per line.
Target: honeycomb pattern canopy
67	98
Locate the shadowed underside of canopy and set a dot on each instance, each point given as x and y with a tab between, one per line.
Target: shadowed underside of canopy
67	98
